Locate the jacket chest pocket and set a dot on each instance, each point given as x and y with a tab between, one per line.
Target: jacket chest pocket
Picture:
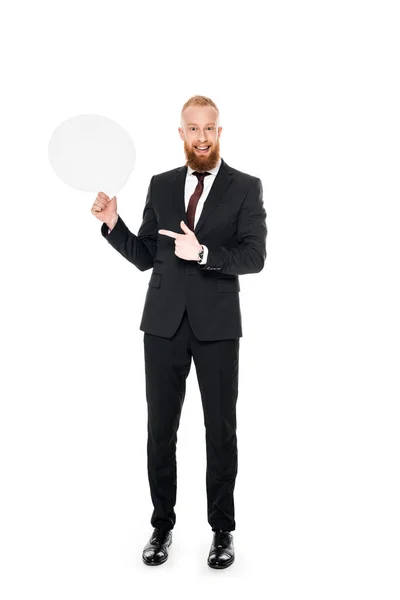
155	280
228	285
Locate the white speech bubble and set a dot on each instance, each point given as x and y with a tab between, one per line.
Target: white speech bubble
92	153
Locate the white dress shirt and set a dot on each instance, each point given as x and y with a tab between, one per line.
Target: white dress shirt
190	185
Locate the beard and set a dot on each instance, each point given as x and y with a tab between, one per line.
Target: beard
200	162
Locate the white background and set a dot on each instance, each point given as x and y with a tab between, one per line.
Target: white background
309	100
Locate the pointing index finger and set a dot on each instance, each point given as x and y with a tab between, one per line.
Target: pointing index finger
169	233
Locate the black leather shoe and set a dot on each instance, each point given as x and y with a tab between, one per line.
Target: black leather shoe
221	553
156	550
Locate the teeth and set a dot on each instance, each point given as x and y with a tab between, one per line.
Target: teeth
206	148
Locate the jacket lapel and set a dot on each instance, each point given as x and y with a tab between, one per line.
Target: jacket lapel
218	188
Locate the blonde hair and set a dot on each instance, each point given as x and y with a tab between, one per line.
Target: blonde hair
200	101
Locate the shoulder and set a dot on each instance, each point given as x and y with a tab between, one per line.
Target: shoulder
244	178
167	175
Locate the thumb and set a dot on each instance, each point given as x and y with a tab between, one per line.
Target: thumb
185	227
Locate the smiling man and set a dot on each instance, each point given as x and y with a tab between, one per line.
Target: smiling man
201	146
204	224
201	140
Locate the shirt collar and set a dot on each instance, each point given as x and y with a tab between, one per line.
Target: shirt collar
213	171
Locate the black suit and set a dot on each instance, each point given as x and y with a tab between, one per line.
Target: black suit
232	226
193	310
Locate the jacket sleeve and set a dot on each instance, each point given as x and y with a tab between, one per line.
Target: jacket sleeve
140	250
250	254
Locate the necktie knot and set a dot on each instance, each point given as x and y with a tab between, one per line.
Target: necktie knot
200	176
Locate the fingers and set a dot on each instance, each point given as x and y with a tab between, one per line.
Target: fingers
169	233
178	236
185	227
97	206
101	202
103	196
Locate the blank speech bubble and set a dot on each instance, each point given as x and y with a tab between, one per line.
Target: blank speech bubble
93	154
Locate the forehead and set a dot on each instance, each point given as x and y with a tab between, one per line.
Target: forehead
199	115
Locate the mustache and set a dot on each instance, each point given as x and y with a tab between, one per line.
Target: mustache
202	162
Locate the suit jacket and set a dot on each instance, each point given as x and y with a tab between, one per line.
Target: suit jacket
232	225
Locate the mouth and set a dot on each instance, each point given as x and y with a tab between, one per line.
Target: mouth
202	149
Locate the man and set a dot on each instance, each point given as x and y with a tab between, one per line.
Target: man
204	224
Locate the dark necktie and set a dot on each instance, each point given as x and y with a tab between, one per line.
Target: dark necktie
194	198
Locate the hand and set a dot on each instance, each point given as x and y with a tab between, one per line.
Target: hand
105	209
187	245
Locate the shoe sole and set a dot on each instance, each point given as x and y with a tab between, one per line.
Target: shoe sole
224	566
156	564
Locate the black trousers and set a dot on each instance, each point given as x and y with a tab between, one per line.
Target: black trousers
167	365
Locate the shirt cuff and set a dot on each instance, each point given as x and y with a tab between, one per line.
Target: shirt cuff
204	260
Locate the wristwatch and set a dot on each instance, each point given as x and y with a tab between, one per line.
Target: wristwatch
201	254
